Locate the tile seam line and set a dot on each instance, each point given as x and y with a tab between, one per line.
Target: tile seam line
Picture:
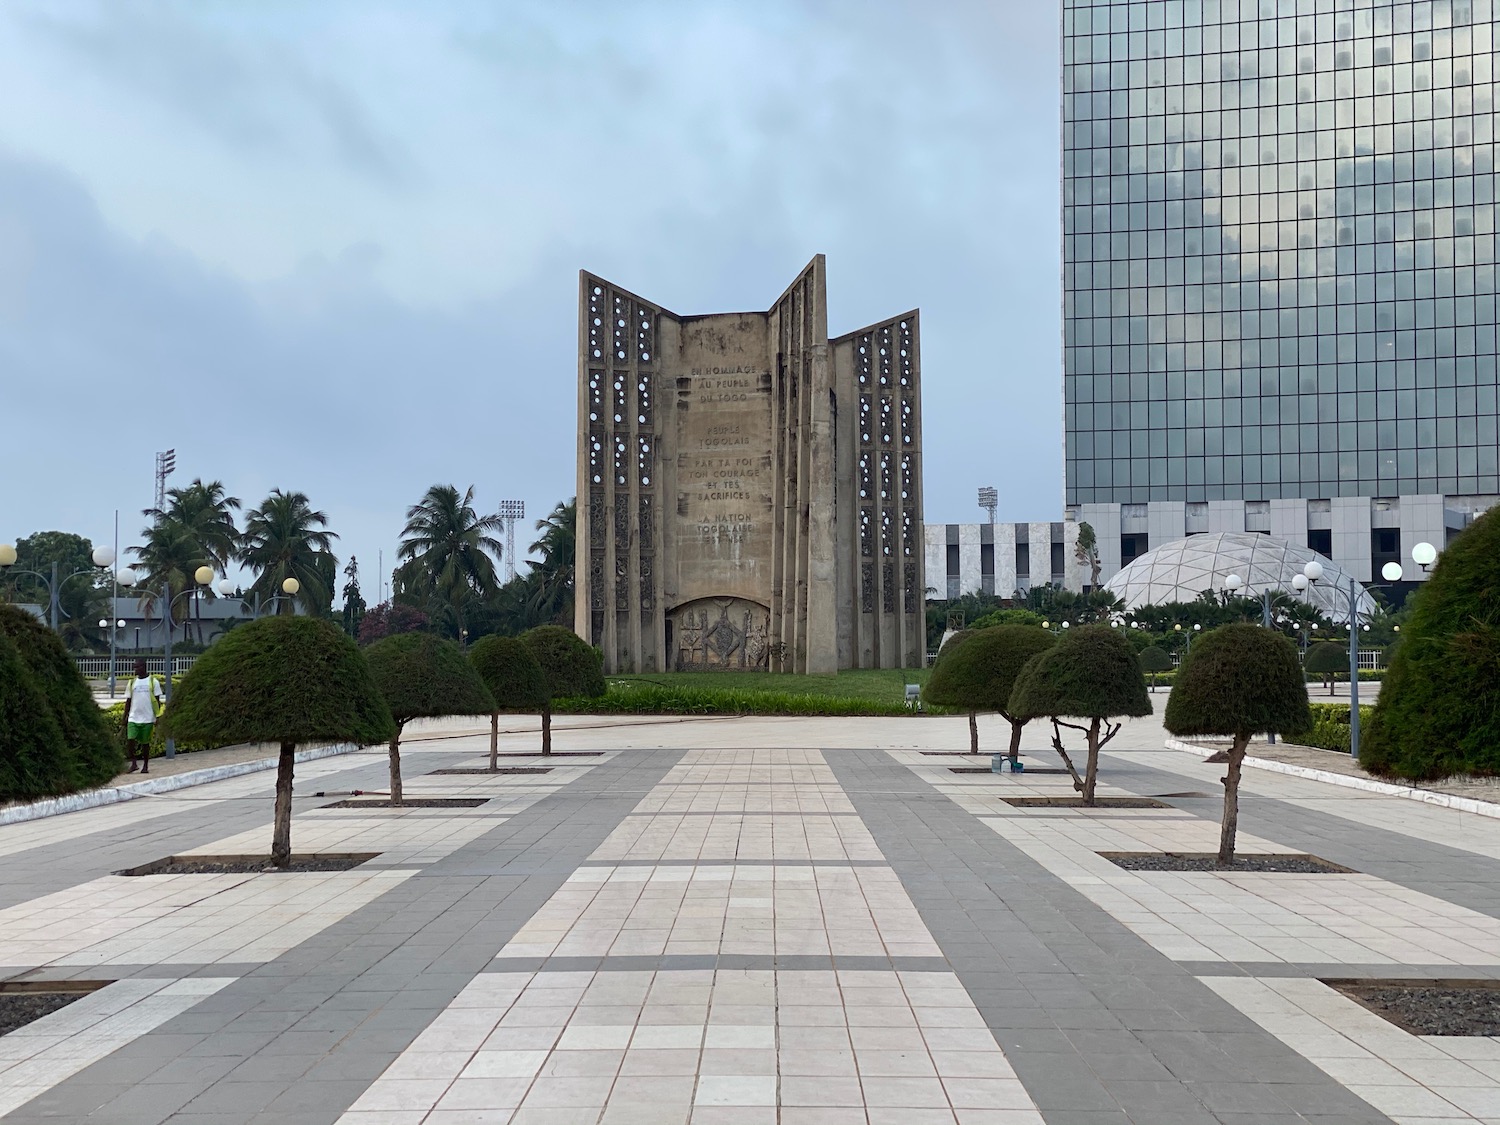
1384	788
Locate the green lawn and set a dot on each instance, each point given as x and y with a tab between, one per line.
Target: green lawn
876	685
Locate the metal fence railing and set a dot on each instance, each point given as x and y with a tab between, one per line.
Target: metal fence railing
97	667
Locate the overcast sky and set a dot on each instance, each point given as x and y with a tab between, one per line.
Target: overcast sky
334	247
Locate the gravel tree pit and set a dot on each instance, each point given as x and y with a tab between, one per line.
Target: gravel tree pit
1076	802
249	864
413	803
22	1002
481	771
1283	864
1429	1007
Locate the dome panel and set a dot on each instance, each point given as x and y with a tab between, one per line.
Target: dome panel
1181	570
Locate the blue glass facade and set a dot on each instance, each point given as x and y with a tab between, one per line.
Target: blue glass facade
1279	248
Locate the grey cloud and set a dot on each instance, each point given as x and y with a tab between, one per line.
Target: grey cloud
248	93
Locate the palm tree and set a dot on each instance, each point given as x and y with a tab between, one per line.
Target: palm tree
206	511
448	550
552	594
284	538
168	557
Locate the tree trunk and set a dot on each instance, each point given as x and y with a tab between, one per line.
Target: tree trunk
1015	741
1329	681
547	728
281	835
494	741
1231	820
973	733
396	766
1091	773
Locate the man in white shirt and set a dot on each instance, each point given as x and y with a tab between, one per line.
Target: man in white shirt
140	715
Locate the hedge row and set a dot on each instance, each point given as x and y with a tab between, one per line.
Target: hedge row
1330	726
633	698
114	715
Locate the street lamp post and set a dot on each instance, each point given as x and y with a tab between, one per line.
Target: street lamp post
202	576
289	589
102	557
1423	554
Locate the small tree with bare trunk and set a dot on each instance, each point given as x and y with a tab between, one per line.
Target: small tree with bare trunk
514	678
294	681
977	670
570	668
1238	680
422	676
1154	659
1326	659
1092	673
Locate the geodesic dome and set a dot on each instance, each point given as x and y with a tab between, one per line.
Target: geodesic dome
1180	571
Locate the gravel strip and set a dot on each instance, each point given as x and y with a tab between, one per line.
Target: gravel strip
1171	861
1445	1008
17	1009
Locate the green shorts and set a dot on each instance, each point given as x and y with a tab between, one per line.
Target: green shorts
139	732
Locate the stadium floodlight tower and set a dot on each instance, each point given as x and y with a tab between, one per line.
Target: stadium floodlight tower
989	500
510	512
166	464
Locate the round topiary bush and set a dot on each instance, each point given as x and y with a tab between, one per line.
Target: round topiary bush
423	676
1438	712
33	752
1238	680
570	668
1326	659
977	669
1155	659
1092	673
289	680
89	753
514	678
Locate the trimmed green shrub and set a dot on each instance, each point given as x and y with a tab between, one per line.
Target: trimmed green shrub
1237	680
632	697
423	676
514	678
88	754
290	680
570	669
1326	659
1438	713
1330	726
1155	660
1092	673
977	674
32	750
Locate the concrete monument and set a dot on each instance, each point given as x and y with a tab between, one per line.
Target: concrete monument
749	491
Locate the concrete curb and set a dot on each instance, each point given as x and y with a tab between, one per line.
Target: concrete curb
1411	793
112	795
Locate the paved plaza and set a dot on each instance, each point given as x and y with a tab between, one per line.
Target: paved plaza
747	922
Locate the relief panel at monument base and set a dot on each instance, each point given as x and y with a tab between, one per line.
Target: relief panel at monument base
719	634
723	443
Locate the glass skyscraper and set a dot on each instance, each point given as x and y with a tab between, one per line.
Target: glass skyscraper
1279	249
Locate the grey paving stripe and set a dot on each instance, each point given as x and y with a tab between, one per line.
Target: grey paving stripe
734	863
1100	1027
1462	878
297	1040
683	962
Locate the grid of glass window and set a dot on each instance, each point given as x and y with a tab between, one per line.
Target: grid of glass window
1279	248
